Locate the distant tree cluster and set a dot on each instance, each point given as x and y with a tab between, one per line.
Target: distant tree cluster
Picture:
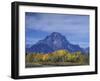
59	57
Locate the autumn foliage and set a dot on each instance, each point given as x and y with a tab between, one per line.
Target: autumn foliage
60	57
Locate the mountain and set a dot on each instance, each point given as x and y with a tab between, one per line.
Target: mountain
55	41
40	48
28	45
86	50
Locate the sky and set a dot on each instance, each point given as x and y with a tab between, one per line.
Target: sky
74	27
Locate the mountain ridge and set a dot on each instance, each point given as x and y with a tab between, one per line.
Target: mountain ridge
54	41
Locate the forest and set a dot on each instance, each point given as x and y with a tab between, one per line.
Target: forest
56	58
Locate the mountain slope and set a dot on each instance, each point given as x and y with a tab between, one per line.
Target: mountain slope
55	41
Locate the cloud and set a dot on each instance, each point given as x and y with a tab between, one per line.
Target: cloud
59	23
